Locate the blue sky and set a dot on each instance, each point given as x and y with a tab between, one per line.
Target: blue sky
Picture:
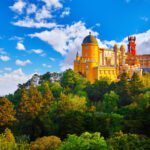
44	35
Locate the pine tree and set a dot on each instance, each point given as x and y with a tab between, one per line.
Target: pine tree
136	85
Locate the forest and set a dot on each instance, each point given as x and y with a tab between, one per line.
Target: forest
74	114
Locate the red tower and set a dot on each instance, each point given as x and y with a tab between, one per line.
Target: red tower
132	45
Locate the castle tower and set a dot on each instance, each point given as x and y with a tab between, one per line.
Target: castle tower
122	53
132	45
90	55
116	55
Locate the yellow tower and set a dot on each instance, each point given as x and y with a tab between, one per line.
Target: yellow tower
86	64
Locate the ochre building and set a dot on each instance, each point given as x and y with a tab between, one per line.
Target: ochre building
95	62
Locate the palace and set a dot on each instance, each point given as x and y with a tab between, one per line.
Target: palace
96	63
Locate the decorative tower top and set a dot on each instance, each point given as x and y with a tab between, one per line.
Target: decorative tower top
115	48
90	39
132	45
77	55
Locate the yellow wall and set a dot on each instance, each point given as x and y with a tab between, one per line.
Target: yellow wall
88	64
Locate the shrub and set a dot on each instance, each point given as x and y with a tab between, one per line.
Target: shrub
46	143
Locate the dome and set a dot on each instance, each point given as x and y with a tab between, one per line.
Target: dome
90	39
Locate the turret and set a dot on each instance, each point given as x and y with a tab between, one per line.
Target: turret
116	54
132	45
122	52
77	56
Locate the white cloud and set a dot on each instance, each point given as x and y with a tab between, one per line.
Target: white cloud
46	66
38	15
10	81
70	39
23	63
31	9
18	6
53	3
8	69
37	51
142	42
30	23
52	59
67	36
43	13
4	58
20	46
66	12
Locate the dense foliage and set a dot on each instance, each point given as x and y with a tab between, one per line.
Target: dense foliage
74	114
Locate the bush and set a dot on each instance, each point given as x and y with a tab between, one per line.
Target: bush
46	143
129	141
86	141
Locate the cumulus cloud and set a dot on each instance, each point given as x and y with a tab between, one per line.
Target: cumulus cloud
9	81
142	42
18	6
23	63
30	23
20	46
43	13
37	15
53	3
70	39
67	36
31	9
4	58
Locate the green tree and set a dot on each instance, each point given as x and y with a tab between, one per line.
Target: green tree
129	141
136	85
73	82
47	96
105	123
70	79
71	103
56	89
110	102
123	90
96	91
86	141
72	122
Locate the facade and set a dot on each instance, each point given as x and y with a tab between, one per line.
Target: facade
144	61
95	63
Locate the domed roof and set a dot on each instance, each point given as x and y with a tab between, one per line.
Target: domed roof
90	39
